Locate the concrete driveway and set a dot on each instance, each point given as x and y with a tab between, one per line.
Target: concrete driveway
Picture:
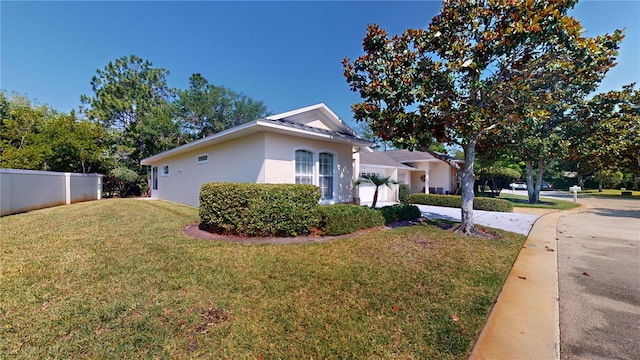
599	280
514	222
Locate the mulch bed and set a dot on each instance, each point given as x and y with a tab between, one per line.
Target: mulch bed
195	231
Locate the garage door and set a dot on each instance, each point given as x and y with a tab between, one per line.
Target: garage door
367	190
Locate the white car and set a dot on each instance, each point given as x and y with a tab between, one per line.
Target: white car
518	185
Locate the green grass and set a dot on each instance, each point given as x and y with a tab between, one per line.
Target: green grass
613	193
545	203
118	279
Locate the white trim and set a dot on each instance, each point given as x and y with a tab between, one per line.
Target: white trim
206	160
316	169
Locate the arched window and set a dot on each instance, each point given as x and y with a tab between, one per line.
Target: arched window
304	167
325	177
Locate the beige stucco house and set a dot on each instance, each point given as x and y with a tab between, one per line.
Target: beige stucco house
309	145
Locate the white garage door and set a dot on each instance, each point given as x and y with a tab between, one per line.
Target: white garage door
367	190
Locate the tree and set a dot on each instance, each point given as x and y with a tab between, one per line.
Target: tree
124	91
448	82
555	83
206	109
37	137
611	124
377	181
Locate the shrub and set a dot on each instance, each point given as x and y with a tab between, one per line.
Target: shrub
343	219
259	209
399	212
404	191
455	201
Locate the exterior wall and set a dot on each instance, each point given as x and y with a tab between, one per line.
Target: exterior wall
239	160
24	190
280	165
439	176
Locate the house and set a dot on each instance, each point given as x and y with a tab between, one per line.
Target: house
423	172
308	146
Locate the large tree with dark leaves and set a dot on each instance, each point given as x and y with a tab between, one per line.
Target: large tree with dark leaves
205	109
453	81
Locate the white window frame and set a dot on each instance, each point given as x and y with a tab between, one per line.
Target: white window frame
313	166
202	161
334	174
164	170
315	178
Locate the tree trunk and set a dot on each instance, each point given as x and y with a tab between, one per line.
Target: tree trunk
468	226
600	184
538	184
580	180
530	185
375	198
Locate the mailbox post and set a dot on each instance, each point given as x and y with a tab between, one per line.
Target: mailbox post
574	189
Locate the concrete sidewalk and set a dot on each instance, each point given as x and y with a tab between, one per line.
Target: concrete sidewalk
524	323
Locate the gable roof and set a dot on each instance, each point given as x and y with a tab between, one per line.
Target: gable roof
336	131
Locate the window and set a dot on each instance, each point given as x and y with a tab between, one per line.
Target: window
203	158
165	170
154	177
326	176
304	167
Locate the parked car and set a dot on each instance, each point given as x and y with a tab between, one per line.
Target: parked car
518	185
546	186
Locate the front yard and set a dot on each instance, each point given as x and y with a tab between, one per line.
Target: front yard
118	279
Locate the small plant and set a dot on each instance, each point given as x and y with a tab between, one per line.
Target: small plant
377	181
400	212
404	191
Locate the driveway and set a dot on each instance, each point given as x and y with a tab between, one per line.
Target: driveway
514	222
599	280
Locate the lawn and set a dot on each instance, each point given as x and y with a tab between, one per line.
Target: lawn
614	193
545	203
118	279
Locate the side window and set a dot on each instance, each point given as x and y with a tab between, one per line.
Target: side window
304	167
165	170
326	175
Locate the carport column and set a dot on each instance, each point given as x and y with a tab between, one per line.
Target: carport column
426	181
67	188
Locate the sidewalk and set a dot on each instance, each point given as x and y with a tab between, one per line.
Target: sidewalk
524	323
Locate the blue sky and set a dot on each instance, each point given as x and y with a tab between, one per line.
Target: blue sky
286	54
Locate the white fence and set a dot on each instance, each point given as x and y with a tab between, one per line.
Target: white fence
24	190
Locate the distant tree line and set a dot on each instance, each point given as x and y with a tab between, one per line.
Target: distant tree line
131	114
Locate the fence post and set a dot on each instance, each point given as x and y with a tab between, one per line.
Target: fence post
67	190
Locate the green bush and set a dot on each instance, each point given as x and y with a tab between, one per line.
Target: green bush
455	201
399	212
343	219
404	191
259	209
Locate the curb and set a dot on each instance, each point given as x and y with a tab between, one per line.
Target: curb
524	322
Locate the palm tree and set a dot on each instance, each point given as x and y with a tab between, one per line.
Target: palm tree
378	181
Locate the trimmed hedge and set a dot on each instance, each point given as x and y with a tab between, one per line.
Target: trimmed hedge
399	212
404	191
455	201
259	209
343	219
